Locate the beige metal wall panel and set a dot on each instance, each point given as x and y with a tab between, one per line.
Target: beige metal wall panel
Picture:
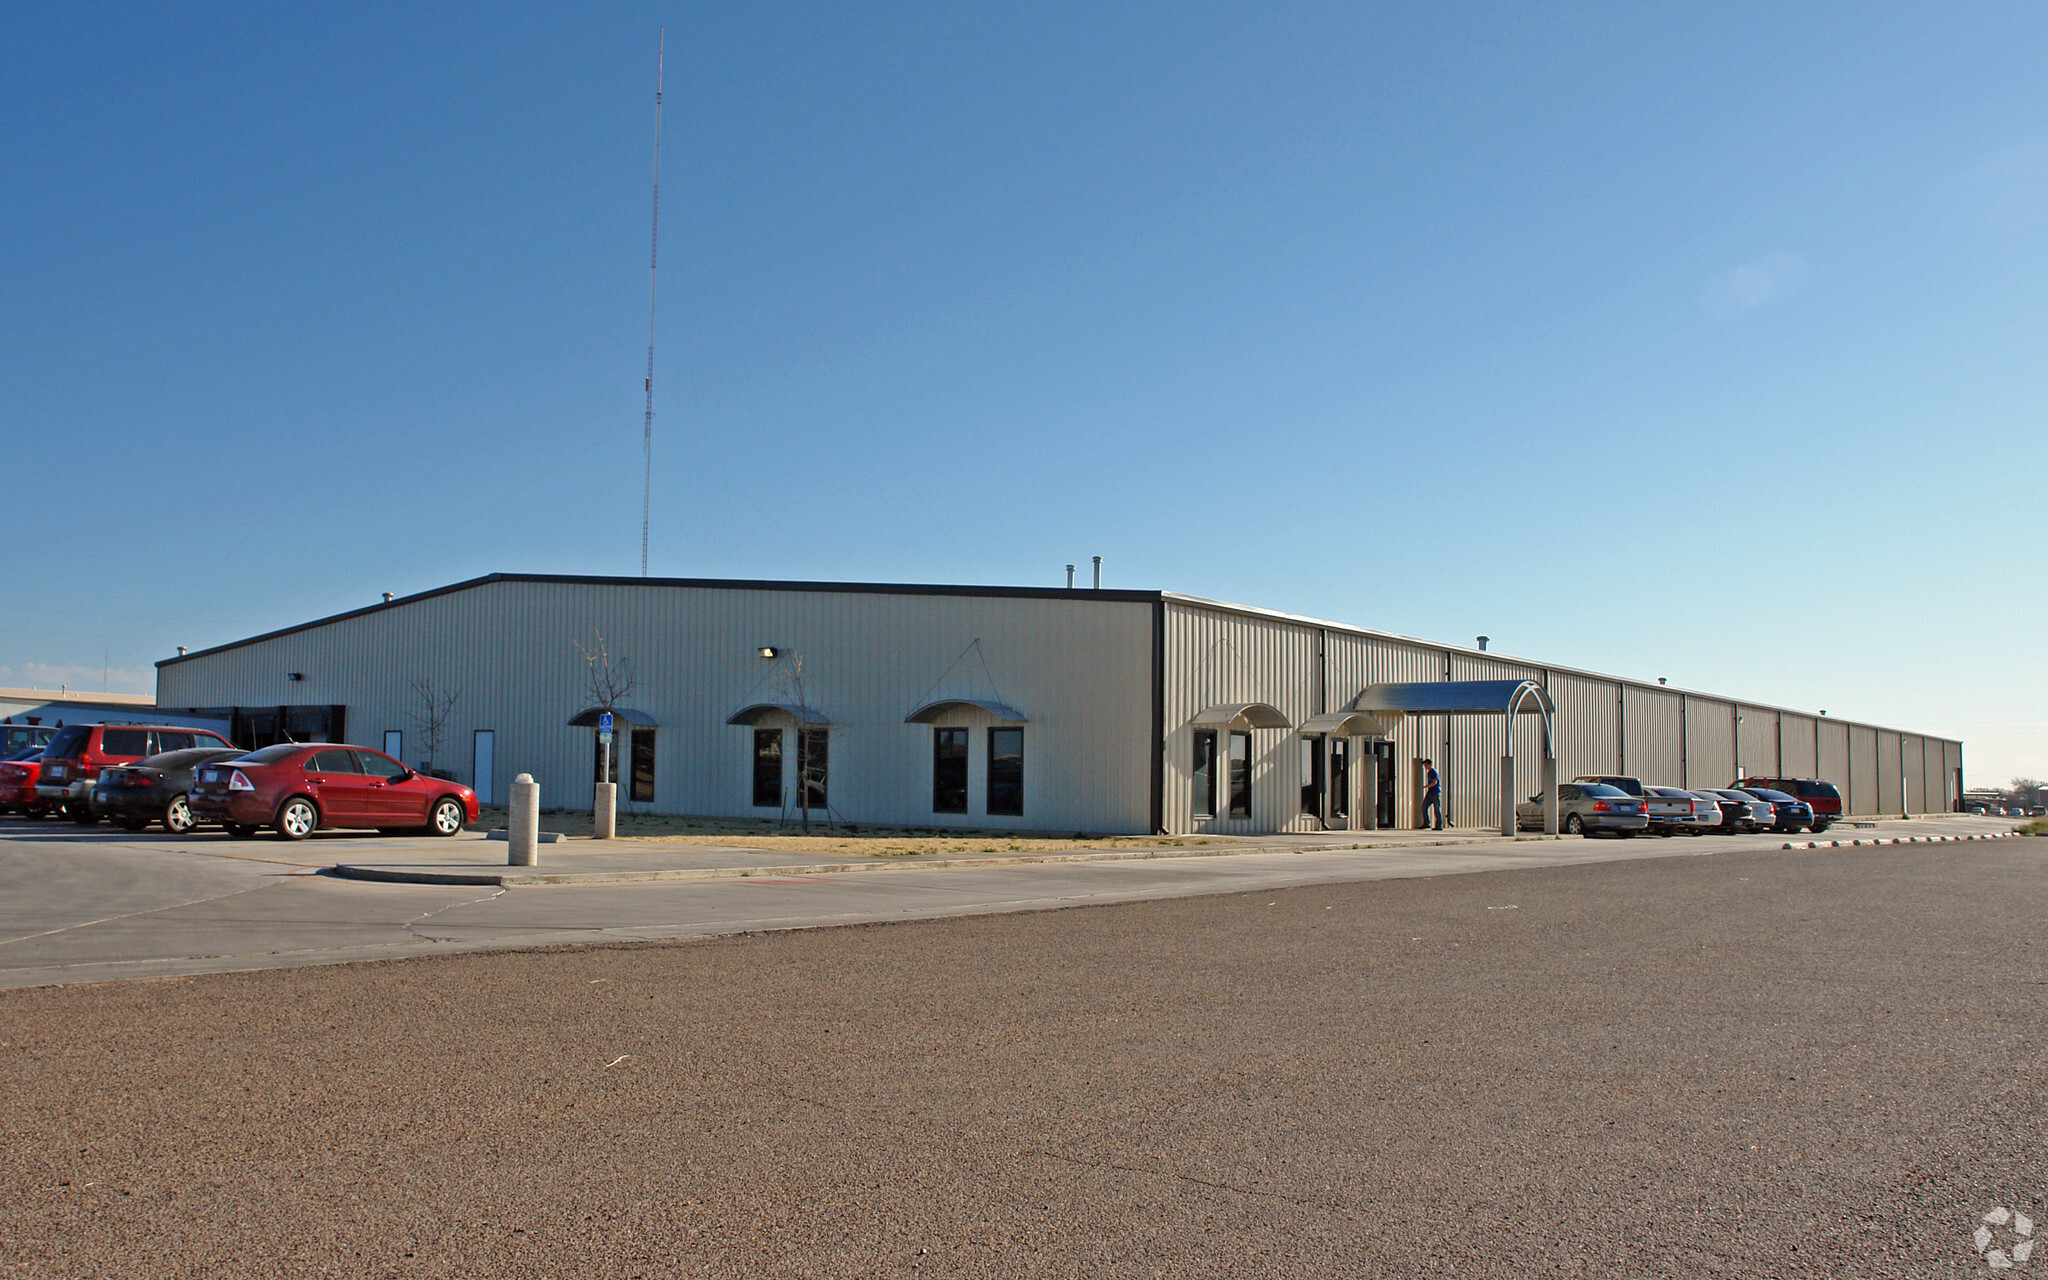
1653	742
1796	742
1588	725
1913	772
1934	778
1834	758
1214	658
1756	741
1952	762
1890	780
1862	769
1472	781
1709	742
1079	670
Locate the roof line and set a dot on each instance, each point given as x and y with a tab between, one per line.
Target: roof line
1083	594
1253	611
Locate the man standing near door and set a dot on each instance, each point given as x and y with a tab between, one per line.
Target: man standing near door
1432	795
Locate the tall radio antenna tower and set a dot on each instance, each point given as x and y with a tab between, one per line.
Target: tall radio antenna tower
653	260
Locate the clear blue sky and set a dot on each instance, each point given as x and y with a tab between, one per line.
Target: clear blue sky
1702	341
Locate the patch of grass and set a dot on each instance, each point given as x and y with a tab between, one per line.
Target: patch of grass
2038	827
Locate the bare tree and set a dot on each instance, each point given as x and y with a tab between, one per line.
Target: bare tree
611	677
429	711
610	681
2026	792
812	744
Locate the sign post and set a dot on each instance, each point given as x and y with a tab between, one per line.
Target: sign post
604	806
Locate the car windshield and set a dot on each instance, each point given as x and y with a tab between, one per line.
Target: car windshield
26	753
272	754
1599	791
1671	793
1820	790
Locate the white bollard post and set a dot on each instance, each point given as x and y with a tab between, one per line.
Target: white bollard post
522	827
604	820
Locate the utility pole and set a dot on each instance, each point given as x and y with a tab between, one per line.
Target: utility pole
653	261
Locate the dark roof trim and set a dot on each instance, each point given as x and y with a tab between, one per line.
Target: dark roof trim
710	584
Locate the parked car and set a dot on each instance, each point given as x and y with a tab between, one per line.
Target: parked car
18	783
1619	781
1821	797
74	758
154	789
1674	811
1741	811
298	788
21	737
1789	813
1587	808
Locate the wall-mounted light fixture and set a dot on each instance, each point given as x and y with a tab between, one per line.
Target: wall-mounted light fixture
769	651
295	675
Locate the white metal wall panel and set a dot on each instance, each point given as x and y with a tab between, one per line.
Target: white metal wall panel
1913	771
1756	741
1588	725
1709	742
1862	769
1080	670
1890	776
1215	657
1652	736
1834	758
1796	742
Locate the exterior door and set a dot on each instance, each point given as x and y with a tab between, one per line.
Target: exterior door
340	789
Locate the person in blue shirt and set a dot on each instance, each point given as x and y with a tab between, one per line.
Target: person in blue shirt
1432	795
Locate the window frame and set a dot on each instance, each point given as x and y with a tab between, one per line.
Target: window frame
780	756
1240	793
1203	772
1016	788
944	758
636	777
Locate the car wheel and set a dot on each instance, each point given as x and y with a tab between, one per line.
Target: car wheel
178	817
239	830
1819	827
1575	825
449	815
81	814
298	819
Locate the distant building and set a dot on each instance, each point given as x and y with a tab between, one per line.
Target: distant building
997	707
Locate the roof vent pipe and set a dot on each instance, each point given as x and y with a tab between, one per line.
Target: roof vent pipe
181	653
1482	643
1098	573
1662	680
387	597
1070	577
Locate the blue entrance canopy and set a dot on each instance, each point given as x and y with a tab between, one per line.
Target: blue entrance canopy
1456	697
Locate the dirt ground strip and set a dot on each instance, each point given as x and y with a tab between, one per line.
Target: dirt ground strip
833	838
1763	1064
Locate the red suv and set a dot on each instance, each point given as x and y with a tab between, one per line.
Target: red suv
299	787
74	758
1825	800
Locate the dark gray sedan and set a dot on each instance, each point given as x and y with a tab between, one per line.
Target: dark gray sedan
1587	808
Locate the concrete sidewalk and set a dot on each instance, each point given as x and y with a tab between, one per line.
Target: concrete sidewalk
572	861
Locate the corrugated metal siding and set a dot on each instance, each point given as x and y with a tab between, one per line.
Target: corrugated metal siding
1862	769
1214	658
1796	742
1913	767
1588	725
1834	759
1080	670
1472	782
1934	781
1890	781
1709	742
1652	736
1756	741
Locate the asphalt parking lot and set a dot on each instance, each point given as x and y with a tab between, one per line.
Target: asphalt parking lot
1756	1063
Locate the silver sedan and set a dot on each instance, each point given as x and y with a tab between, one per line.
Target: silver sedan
1585	808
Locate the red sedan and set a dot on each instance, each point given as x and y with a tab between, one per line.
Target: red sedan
297	787
18	783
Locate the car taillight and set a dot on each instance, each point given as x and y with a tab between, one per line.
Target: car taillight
239	781
136	780
1601	806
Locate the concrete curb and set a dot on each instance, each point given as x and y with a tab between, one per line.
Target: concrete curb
1850	844
516	877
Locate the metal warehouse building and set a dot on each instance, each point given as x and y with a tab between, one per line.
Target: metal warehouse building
997	707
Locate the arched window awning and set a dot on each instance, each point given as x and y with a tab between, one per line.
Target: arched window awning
931	711
588	719
1348	724
760	711
1456	697
1242	715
